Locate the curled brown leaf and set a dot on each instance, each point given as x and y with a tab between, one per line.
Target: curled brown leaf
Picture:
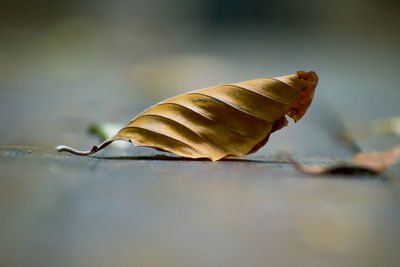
222	121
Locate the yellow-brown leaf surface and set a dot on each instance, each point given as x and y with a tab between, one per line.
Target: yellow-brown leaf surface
222	121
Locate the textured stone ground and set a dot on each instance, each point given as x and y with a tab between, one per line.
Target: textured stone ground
64	210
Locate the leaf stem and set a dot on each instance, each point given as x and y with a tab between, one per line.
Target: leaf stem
82	153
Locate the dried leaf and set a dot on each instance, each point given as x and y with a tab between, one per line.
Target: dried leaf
362	163
377	161
222	121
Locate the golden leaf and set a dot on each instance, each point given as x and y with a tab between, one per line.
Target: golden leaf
222	121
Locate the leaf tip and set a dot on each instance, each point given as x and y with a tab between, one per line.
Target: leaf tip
299	108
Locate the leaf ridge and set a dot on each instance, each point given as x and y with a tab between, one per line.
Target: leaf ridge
231	105
285	83
205	116
115	138
184	126
257	92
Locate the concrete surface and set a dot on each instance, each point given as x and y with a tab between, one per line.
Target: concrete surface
64	210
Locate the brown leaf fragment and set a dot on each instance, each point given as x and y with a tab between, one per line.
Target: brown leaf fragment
362	163
377	161
230	120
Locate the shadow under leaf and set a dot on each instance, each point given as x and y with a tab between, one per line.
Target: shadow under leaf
175	158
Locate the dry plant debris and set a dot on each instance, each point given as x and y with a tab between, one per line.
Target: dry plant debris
362	163
229	120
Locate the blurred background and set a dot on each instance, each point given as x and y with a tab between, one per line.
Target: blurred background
65	65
